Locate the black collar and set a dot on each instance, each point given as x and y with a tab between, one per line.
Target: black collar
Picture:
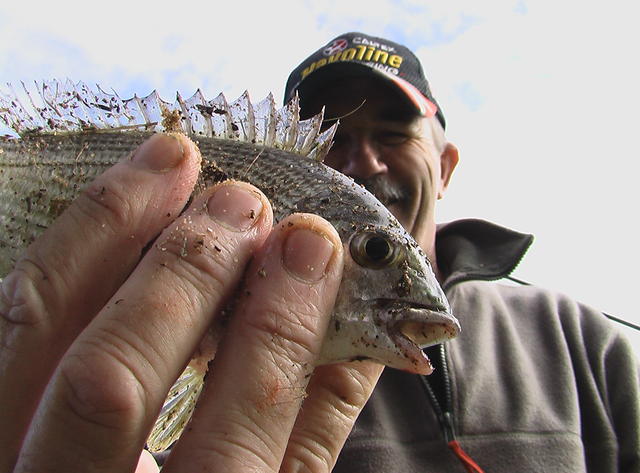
476	249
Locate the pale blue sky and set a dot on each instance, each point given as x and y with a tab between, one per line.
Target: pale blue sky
541	97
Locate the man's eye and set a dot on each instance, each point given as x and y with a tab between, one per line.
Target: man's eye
392	138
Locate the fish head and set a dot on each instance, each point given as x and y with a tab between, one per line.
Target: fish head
389	305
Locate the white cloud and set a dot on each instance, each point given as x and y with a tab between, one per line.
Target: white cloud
230	47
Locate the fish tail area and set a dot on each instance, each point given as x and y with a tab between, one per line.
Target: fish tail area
177	409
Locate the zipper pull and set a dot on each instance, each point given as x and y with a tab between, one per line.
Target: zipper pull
447	425
467	461
450	437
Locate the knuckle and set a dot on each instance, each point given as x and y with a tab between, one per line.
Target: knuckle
346	388
236	453
286	333
108	202
114	405
340	393
309	455
22	304
203	262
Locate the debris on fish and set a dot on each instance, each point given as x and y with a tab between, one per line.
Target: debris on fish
389	305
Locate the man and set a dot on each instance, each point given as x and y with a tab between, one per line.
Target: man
87	356
536	382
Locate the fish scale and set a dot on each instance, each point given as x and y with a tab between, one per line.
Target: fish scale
60	165
389	304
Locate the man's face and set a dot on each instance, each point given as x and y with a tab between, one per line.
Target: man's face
382	143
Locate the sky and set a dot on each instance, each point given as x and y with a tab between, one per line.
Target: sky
540	97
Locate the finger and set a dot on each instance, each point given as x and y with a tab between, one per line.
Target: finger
146	463
257	382
336	395
112	381
68	274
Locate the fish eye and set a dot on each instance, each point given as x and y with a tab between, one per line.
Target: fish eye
373	250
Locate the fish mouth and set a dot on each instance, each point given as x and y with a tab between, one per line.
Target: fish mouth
413	327
425	328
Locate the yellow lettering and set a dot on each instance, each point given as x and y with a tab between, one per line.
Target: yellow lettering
395	60
381	56
360	53
348	54
308	70
367	57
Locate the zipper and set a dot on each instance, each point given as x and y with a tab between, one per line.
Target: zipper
444	412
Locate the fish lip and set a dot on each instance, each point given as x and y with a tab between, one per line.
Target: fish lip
439	328
413	327
419	324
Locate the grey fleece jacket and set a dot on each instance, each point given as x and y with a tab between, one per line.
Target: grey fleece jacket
536	382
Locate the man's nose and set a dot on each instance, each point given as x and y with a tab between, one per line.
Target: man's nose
363	160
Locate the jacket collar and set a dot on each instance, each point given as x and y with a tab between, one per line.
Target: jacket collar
476	249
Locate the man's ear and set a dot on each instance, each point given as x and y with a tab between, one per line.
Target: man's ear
448	162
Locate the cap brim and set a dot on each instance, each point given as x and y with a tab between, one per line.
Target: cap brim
342	70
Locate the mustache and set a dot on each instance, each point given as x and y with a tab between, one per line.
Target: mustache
385	190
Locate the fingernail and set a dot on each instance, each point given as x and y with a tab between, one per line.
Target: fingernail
235	206
307	254
161	152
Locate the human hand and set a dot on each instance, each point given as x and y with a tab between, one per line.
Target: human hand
92	337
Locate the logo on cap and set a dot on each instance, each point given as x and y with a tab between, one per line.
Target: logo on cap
338	45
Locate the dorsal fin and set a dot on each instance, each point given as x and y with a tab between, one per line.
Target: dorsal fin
55	106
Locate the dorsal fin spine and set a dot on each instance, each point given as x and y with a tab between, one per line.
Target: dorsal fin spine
67	106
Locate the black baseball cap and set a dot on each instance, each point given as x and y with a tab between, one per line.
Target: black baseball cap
360	54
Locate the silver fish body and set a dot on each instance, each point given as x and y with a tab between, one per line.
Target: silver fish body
389	305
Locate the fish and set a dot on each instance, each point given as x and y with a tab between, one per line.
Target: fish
389	304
